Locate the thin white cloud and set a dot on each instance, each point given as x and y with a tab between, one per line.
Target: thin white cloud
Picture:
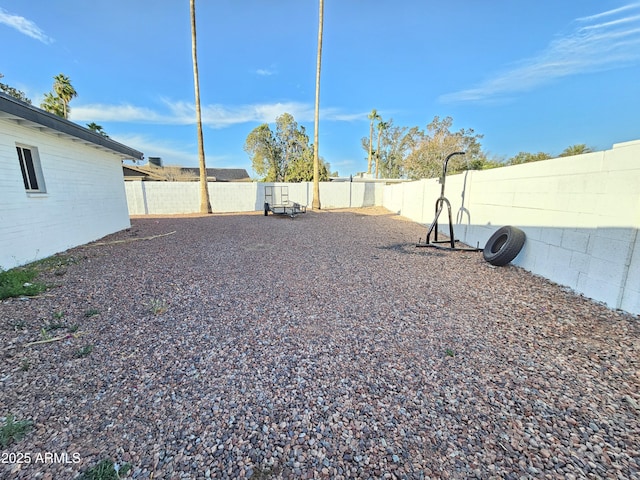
118	113
265	72
624	8
171	154
24	26
214	116
589	47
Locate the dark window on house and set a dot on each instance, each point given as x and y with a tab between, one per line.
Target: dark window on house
30	168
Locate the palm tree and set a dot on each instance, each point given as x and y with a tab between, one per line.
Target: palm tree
205	204
577	149
316	158
373	116
382	126
65	91
52	104
94	127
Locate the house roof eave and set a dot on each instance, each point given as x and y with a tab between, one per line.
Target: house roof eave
27	115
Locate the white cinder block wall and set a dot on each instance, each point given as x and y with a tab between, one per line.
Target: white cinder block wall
84	197
162	198
581	215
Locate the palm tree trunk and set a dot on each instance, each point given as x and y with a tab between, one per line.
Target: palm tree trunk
205	204
378	151
370	146
316	154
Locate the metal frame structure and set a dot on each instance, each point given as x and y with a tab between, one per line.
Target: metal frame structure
276	201
433	228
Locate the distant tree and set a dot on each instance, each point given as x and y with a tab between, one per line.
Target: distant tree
265	153
291	138
525	157
19	94
430	148
373	116
276	156
65	92
392	150
301	169
52	104
577	149
205	203
94	127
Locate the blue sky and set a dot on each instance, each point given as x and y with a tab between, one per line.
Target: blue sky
528	75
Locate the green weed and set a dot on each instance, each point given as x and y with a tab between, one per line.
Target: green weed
84	351
20	282
12	431
19	325
158	306
91	312
106	470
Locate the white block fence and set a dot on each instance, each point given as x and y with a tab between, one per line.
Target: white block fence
581	215
157	198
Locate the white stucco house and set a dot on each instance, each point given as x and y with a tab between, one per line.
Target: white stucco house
61	185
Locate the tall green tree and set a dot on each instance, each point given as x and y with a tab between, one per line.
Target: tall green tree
316	159
302	168
65	92
13	92
205	203
432	147
265	152
397	142
291	138
373	116
284	155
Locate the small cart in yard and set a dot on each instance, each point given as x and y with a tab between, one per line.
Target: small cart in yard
276	201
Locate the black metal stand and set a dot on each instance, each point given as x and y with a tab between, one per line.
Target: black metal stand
433	228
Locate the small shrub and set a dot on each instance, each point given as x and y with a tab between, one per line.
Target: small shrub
13	431
106	470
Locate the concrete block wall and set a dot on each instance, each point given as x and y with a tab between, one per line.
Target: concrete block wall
84	198
581	216
166	198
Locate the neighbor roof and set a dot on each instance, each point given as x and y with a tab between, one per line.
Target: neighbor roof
221	174
27	115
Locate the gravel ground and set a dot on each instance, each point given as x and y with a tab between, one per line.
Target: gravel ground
325	346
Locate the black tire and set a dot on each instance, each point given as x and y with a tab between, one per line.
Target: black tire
266	209
504	245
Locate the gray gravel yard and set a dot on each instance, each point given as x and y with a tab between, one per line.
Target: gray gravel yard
325	346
